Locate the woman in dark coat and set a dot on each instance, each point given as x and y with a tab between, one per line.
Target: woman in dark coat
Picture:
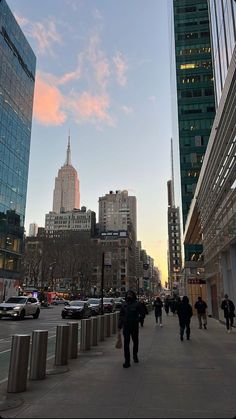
185	312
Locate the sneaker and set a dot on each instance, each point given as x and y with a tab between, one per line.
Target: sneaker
229	331
160	325
136	360
126	365
205	326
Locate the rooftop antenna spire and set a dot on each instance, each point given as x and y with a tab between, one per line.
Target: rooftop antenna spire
68	154
172	173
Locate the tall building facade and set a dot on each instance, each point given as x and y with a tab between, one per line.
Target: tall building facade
195	97
33	230
223	34
174	242
66	196
118	211
212	214
76	220
17	79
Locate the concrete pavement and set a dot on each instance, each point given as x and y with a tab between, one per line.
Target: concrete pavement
174	379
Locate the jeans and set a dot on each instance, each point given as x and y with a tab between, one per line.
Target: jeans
133	333
159	316
229	321
184	324
202	316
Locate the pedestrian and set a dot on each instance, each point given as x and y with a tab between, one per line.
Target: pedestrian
229	312
201	307
158	304
144	312
130	312
167	306
185	312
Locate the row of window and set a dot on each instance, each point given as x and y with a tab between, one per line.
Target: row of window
203	78
190	93
191	9
186	36
9	262
193	51
195	141
195	125
196	109
197	64
192	22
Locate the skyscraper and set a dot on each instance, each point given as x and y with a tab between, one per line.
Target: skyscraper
66	195
17	78
195	97
117	211
33	230
212	216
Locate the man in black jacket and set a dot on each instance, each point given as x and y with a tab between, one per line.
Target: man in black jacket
130	313
228	306
185	312
201	307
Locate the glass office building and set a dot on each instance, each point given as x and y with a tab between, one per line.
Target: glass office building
223	35
17	78
195	96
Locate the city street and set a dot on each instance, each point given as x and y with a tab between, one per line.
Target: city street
48	320
174	379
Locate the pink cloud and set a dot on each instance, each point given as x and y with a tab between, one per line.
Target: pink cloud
48	102
45	34
87	107
121	68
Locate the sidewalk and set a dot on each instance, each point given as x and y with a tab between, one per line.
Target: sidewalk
174	379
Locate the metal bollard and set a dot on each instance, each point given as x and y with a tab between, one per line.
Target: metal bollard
94	334
38	358
108	325
18	369
62	344
102	328
85	336
73	339
114	325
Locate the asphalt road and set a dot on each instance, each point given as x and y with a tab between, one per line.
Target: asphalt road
48	320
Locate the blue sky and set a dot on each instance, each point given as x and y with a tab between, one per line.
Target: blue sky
103	72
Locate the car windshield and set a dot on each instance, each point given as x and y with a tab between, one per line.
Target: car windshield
76	303
108	300
91	301
16	300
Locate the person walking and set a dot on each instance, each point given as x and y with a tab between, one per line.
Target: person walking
158	304
144	312
129	316
229	312
184	312
201	307
167	306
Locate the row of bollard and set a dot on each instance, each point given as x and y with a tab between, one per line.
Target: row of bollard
93	330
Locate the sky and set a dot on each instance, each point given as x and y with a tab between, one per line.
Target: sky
102	73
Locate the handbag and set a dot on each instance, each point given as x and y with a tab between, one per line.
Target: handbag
118	341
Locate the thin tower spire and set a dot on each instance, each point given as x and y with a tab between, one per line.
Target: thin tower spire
172	173
68	154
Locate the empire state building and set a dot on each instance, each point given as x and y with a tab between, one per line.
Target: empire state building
66	196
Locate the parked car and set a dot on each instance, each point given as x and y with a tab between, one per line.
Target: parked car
58	300
77	309
108	305
96	305
118	302
19	307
